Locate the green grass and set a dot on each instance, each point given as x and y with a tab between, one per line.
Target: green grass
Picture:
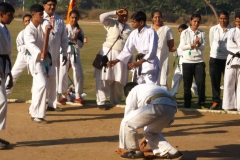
96	35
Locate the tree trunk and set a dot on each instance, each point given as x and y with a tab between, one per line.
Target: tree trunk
213	9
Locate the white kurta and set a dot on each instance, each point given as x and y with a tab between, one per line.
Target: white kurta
164	34
77	67
136	115
34	38
6	47
21	62
58	38
231	96
113	80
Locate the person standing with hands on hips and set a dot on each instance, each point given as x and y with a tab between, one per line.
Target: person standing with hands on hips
192	44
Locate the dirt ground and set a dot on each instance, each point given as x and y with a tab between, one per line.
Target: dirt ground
87	133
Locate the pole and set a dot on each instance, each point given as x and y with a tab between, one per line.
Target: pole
23	5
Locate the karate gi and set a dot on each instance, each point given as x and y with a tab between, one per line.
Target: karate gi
164	34
34	39
218	56
193	64
153	117
57	38
76	66
144	42
113	80
21	62
231	96
6	48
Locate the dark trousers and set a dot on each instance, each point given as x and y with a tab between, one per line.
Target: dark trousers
191	70
216	70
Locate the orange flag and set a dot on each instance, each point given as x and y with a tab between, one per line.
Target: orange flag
72	5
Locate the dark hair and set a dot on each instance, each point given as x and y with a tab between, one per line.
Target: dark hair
237	15
36	8
156	11
195	15
183	26
6	7
225	13
27	15
128	87
46	1
139	16
77	13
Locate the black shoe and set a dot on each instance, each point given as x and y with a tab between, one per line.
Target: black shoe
39	120
4	144
54	109
177	155
133	155
104	107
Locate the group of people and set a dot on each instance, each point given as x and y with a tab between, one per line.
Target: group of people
48	48
147	93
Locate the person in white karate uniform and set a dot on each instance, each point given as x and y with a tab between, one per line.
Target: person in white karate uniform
76	41
57	39
165	44
152	108
39	62
218	54
177	77
21	62
6	17
145	40
231	96
111	80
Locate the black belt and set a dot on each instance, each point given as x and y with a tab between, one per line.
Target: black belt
233	56
6	58
140	56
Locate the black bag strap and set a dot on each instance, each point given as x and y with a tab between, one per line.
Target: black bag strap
119	37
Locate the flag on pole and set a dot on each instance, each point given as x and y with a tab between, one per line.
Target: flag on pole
72	5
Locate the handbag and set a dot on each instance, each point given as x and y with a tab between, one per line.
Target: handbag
100	61
97	62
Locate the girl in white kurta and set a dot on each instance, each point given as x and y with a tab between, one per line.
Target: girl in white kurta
113	80
75	37
21	62
231	92
165	44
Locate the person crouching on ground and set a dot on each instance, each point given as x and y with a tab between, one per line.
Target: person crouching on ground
142	101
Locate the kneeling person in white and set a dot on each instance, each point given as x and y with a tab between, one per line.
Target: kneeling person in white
39	63
150	107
